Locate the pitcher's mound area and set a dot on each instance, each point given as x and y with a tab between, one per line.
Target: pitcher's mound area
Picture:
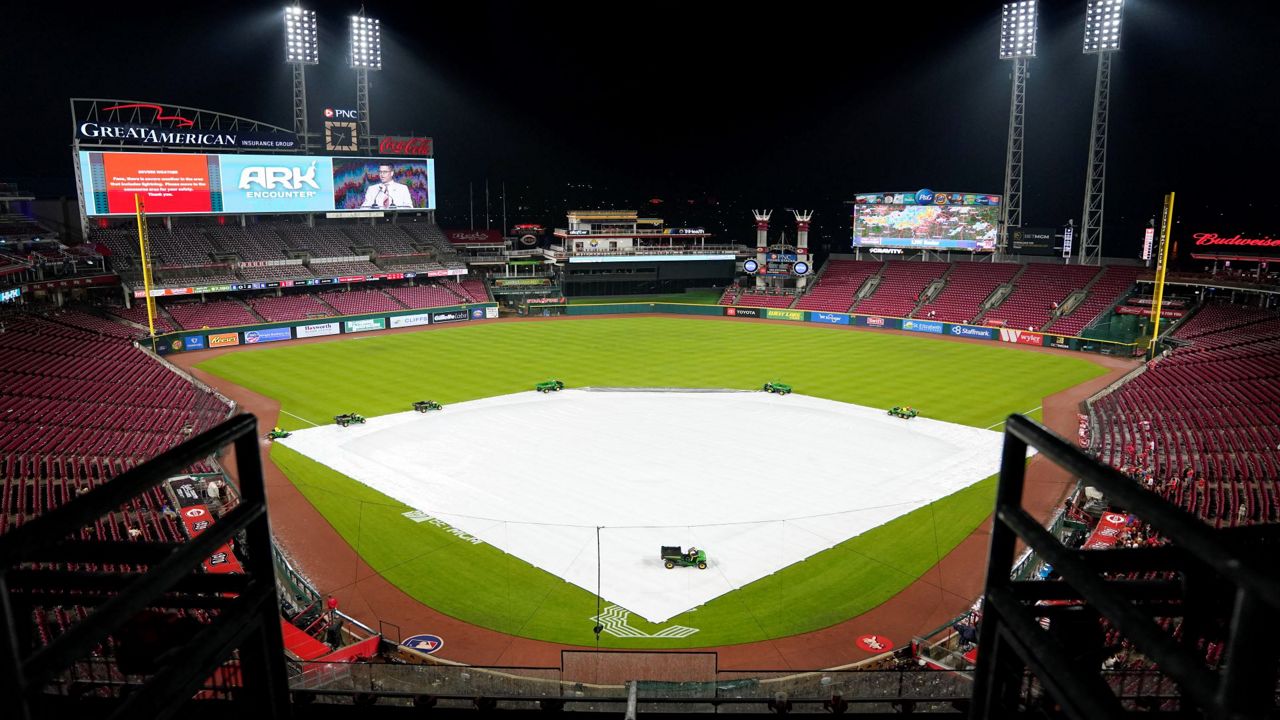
759	481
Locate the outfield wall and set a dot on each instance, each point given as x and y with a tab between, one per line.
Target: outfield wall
211	338
876	322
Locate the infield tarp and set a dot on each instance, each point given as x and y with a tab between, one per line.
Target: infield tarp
654	469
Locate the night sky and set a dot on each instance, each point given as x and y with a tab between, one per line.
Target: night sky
710	107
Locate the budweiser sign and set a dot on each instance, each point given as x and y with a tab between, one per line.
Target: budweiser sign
405	146
1212	239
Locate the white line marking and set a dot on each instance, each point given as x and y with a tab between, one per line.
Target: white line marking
285	412
989	427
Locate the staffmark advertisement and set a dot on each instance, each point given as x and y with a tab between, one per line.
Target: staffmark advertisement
266	335
318	330
922	326
453	316
829	318
742	312
355	326
410	320
1021	337
772	314
973	332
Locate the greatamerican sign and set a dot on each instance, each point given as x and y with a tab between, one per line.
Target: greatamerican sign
92	132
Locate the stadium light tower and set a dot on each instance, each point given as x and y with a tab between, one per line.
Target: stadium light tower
301	48
366	55
1101	38
1017	43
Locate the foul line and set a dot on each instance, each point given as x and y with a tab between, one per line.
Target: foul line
286	412
989	427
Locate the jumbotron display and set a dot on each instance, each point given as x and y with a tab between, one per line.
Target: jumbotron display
926	220
208	184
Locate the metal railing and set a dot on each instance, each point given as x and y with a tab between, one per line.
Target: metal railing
43	562
1052	629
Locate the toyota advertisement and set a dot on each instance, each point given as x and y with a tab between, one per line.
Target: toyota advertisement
203	184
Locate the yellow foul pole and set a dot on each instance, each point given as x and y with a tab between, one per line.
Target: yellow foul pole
1166	228
143	247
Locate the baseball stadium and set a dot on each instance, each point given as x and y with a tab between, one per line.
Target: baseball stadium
277	438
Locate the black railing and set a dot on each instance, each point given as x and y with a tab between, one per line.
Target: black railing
1204	579
44	562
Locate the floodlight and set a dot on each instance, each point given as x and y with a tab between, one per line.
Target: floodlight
300	39
1018	30
1102	25
366	43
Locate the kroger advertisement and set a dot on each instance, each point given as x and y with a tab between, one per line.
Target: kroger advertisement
927	220
178	183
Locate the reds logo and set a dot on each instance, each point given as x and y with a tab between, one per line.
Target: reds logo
875	643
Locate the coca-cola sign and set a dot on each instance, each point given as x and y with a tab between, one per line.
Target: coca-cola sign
416	146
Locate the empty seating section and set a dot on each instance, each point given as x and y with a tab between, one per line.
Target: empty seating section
291	307
423	296
968	285
476	290
1036	291
1203	423
275	272
211	314
900	288
360	302
208	275
138	314
838	285
82	406
384	241
751	299
730	295
321	241
1111	287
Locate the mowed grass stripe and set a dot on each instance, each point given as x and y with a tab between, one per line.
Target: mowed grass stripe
973	384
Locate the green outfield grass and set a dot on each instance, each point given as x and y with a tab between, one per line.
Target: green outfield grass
969	383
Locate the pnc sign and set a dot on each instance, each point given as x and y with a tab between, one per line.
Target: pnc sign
412	146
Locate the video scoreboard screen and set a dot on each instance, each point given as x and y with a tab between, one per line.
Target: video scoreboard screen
191	184
926	220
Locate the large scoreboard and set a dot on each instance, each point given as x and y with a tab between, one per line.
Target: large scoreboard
927	220
204	184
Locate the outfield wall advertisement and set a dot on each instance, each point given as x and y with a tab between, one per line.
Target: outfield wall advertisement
214	184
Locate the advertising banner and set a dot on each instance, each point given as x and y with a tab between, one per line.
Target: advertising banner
873	321
355	326
829	318
190	183
923	326
1107	532
1021	337
742	312
453	316
1061	342
410	320
193	342
1146	311
266	335
224	339
197	519
317	330
1033	241
970	331
490	313
186	490
477	313
265	183
103	132
474	237
775	314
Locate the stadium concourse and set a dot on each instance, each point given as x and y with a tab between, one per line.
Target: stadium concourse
944	592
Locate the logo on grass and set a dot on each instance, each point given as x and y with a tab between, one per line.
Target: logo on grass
614	622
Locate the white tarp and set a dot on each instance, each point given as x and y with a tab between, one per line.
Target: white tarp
759	481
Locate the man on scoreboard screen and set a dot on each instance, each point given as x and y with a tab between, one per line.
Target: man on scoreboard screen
387	193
